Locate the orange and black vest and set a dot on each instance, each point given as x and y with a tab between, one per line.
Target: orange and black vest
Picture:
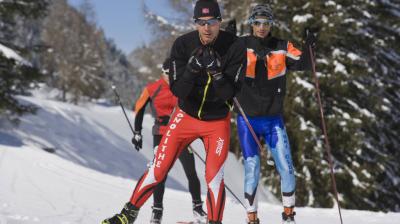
162	103
264	88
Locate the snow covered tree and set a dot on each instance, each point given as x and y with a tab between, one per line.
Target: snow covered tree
17	73
356	51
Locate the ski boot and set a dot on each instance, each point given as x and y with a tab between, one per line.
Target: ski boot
200	216
127	216
156	215
252	218
288	216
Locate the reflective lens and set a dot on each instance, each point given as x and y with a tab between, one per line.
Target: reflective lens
264	22
210	22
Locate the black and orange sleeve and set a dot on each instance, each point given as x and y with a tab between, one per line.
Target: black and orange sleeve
140	107
296	59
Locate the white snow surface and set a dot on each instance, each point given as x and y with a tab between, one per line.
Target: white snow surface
95	168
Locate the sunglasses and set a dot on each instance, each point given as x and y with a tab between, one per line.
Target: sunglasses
210	22
259	22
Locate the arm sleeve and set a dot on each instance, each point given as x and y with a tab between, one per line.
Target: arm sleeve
140	107
180	79
298	60
234	65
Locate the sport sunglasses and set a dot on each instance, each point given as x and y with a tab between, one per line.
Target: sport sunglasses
210	22
259	22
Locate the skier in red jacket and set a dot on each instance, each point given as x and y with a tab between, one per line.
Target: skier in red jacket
163	102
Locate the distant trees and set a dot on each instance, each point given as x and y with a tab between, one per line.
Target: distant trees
63	47
75	55
80	61
148	58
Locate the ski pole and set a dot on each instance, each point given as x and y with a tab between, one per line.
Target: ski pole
120	103
246	120
328	147
226	186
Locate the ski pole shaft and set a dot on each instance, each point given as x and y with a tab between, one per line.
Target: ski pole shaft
328	147
226	186
246	120
120	103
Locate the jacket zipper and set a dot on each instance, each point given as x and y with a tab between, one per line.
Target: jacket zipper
204	96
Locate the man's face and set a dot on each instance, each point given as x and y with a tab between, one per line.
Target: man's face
261	26
208	28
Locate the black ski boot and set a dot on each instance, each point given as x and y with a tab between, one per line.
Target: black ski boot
200	216
252	218
156	215
288	216
257	221
127	216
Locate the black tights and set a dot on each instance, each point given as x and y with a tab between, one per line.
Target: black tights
187	160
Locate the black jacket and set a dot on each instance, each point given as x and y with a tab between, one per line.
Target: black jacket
199	95
264	87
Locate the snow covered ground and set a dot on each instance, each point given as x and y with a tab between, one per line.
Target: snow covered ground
94	168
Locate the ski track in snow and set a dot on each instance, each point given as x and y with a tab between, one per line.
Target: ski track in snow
81	187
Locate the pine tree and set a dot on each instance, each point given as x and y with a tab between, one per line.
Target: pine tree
356	51
17	75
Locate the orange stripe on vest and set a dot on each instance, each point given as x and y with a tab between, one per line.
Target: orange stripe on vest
276	64
251	63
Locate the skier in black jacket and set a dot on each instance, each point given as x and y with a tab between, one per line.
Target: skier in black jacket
261	97
206	70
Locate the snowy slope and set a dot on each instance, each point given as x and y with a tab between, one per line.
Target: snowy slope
94	169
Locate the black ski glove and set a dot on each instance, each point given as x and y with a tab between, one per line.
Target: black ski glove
137	140
195	64
310	38
212	63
